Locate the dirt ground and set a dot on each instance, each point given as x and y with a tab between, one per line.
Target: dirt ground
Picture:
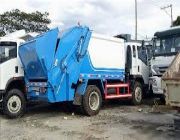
117	120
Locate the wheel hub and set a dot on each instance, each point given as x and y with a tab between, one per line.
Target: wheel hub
94	100
138	94
14	104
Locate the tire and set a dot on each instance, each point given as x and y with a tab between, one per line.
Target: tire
162	99
92	94
14	104
150	93
137	94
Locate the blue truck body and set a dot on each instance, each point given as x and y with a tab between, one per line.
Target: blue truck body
57	65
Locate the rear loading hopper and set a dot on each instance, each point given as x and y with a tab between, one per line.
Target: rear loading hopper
52	63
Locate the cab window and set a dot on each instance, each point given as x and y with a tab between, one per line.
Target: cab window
134	51
8	50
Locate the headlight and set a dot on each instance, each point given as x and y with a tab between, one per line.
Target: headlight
155	69
154	82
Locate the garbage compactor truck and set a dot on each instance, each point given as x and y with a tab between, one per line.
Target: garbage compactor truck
80	66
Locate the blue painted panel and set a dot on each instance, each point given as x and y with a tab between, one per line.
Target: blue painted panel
48	96
31	62
69	55
37	55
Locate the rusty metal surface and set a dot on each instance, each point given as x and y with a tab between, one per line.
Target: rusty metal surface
171	83
174	69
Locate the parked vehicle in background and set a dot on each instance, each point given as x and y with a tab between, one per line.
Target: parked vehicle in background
166	44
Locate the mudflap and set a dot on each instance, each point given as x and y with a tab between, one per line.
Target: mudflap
1	105
77	99
1	101
80	92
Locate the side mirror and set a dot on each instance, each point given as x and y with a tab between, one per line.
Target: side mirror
143	44
153	48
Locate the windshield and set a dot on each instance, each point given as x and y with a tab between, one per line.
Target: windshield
166	45
8	50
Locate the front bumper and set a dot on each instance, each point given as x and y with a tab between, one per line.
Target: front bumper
155	82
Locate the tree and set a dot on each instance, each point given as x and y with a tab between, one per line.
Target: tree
13	20
177	21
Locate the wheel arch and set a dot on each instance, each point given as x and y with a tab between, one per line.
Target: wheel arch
98	83
136	78
16	82
81	89
139	79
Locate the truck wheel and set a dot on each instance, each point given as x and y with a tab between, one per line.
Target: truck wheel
14	104
137	93
163	99
92	100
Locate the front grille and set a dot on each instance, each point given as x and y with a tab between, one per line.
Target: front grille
162	70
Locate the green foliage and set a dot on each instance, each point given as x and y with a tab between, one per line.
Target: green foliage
11	21
177	21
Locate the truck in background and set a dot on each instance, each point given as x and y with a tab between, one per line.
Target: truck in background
79	66
142	53
166	44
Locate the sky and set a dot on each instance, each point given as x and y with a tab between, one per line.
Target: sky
110	17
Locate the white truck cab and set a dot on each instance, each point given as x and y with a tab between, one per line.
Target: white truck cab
166	44
12	85
137	62
138	65
158	67
10	65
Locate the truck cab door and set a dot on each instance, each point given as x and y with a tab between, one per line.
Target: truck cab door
135	67
142	59
128	59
